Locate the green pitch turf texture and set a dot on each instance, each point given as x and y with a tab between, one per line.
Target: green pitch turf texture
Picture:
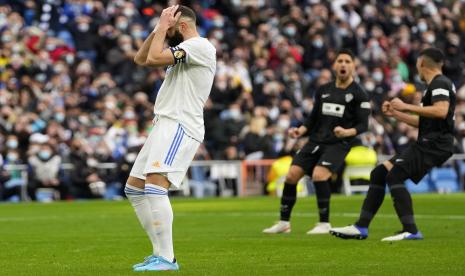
223	237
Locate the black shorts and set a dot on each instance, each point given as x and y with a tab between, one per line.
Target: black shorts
418	159
331	156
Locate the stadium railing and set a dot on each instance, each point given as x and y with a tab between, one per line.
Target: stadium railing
241	178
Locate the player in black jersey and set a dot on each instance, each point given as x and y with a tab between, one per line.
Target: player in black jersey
340	112
435	123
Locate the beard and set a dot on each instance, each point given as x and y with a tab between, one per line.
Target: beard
176	39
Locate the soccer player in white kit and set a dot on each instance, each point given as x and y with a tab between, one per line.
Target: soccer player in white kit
178	127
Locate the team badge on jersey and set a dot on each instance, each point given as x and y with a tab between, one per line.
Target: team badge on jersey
178	54
349	97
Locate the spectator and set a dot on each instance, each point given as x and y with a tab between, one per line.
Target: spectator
45	168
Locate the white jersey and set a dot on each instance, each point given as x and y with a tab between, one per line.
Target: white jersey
187	85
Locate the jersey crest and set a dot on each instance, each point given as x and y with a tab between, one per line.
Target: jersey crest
349	97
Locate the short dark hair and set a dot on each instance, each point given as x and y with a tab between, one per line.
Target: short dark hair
187	12
346	51
434	54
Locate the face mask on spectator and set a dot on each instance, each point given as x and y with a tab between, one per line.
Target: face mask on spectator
83	27
131	157
218	35
284	124
92	162
318	43
12	156
44	154
370	86
122	25
343	32
291	31
69	59
378	76
137	34
430	38
12	144
235	114
6	38
396	78
422	27
396	20
59	117
219	23
109	105
129	115
126	47
128	12
58	68
278	136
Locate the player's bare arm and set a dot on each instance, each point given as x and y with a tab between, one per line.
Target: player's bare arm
157	55
141	56
297	132
341	132
438	110
409	119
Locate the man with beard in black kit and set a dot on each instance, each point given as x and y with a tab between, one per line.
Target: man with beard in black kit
340	113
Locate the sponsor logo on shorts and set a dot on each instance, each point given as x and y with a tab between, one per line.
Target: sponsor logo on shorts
324	163
324	96
399	160
156	164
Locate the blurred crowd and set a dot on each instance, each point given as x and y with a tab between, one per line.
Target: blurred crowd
70	92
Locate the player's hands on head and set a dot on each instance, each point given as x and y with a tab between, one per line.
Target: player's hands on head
387	108
340	132
398	104
294	133
168	18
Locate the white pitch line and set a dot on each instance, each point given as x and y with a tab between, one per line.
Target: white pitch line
236	214
300	214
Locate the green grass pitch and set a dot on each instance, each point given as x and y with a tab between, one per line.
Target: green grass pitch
223	237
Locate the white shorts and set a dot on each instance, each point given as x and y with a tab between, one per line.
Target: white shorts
168	151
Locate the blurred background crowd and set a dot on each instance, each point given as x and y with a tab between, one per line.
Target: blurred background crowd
70	92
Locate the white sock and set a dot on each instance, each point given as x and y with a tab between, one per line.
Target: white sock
162	215
141	205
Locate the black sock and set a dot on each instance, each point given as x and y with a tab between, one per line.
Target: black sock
402	199
374	197
323	195
404	208
288	200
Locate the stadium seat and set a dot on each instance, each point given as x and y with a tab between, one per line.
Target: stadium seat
445	180
424	186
